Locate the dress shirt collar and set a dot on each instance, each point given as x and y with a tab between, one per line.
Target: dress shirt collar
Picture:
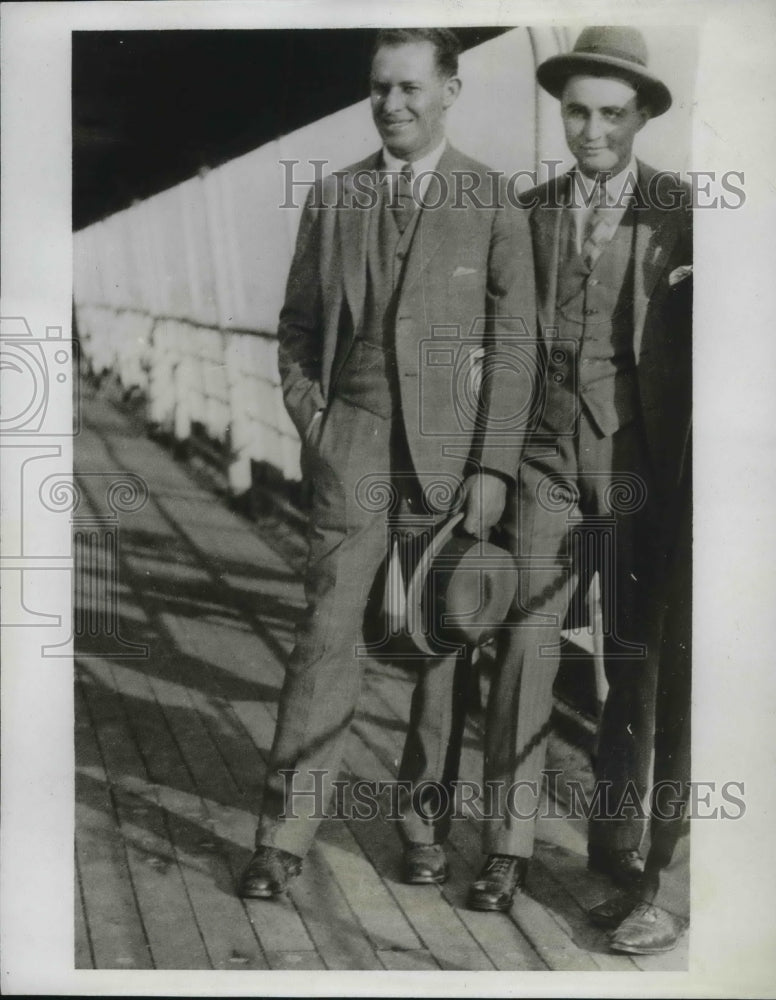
616	189
423	165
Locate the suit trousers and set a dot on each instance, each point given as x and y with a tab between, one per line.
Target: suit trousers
669	842
360	461
583	504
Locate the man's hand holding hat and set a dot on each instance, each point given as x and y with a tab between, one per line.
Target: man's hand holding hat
484	497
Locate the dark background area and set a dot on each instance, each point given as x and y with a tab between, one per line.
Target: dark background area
151	108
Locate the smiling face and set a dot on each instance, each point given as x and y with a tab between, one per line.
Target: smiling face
409	98
601	117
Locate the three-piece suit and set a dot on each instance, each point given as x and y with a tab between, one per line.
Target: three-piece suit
597	490
387	341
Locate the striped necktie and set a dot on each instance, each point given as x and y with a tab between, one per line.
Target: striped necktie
600	226
599	229
402	202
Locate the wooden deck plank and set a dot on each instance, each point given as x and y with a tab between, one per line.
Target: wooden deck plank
277	923
517	953
557	901
360	885
370	900
496	933
226	929
504	944
203	756
116	928
203	856
428	913
437	925
339	938
259	719
409	961
539	926
170	923
82	949
204	764
560	905
293	961
570	875
238	661
168	817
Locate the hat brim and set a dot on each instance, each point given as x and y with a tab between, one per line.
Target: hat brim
555	71
418	582
446	555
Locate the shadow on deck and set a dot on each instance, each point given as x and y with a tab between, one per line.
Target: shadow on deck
171	749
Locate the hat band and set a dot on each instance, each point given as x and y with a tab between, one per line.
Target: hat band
612	52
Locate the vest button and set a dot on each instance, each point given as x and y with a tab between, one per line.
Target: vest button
401	254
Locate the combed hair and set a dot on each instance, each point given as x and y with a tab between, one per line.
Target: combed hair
447	48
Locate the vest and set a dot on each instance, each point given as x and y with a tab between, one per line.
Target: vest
368	377
592	364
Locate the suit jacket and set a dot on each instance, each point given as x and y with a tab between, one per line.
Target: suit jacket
467	298
662	306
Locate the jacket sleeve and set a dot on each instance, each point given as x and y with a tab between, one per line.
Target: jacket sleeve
511	381
300	329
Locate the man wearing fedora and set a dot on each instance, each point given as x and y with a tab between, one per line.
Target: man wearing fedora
389	256
597	486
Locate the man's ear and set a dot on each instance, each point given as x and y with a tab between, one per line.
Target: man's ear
451	91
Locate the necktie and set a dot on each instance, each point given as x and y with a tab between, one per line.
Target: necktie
601	225
599	229
402	203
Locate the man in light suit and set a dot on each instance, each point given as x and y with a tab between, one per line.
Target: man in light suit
598	482
398	279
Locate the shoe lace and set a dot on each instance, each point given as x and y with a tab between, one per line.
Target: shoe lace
499	864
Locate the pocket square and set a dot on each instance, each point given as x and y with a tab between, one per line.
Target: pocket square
679	274
459	272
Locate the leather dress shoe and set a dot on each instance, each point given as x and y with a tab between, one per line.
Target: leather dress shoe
624	867
495	886
613	910
425	864
648	930
268	873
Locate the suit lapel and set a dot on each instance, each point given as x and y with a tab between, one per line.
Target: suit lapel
656	233
436	224
546	220
353	226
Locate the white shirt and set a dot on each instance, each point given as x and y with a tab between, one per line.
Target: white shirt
422	168
617	193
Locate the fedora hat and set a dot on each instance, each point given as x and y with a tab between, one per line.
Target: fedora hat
607	51
460	591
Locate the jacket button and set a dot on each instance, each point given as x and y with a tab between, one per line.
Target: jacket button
590	311
593	282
